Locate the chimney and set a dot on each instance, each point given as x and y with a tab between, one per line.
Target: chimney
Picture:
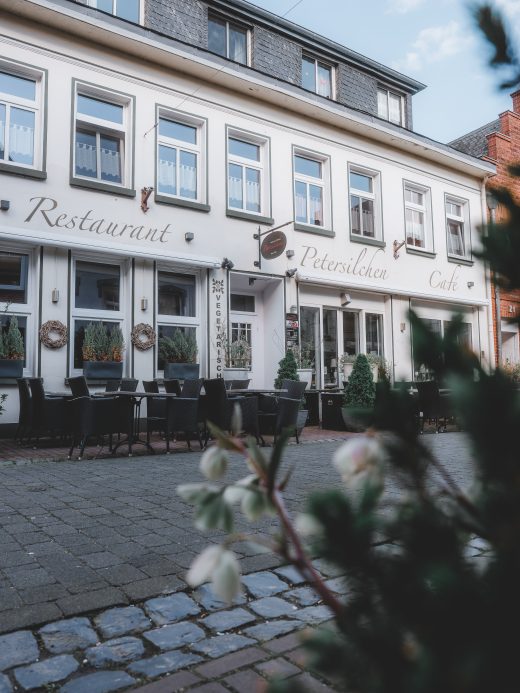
516	101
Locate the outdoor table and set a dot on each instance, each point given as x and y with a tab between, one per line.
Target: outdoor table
257	391
137	397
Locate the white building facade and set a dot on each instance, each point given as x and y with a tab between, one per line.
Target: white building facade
95	111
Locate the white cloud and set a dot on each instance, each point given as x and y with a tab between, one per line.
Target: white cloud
510	7
403	6
434	44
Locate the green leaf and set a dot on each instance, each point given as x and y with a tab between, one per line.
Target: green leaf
225	441
276	459
214	513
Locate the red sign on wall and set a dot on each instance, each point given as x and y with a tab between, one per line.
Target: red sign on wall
273	245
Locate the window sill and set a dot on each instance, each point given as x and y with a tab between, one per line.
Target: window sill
247	216
422	253
22	171
317	230
179	202
461	260
102	187
367	241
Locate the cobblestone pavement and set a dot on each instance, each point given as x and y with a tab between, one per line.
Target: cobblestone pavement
97	550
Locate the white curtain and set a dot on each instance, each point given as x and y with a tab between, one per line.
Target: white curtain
21	140
235	188
188	178
316	207
110	162
166	174
86	156
300	202
253	194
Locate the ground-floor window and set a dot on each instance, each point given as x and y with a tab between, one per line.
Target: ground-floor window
439	327
17	279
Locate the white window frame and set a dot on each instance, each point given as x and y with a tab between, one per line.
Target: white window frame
180	320
93	3
317	62
463	219
324	183
236	25
36	106
425	209
26	310
383	95
199	149
263	166
104	127
375	196
119	317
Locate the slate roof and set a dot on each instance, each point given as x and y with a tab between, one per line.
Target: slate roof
475	142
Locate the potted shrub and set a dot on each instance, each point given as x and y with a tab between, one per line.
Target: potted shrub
305	362
238	359
359	396
11	350
103	351
377	364
179	353
288	370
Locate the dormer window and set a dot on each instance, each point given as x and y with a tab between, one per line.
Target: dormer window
228	39
317	76
390	106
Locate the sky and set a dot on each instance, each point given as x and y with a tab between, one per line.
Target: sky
433	41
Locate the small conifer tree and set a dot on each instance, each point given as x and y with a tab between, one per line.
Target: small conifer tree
360	391
14	341
287	369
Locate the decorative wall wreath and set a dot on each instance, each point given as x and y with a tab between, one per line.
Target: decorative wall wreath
143	336
53	334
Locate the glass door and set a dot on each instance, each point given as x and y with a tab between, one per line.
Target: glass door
330	346
310	340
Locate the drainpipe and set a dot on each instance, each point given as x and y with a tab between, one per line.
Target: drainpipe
492	204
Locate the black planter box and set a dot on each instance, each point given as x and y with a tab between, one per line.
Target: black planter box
331	417
105	370
181	371
11	368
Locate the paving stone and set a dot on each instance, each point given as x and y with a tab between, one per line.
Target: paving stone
120	621
67	636
236	660
177	635
100	682
271	607
307	682
17	648
34	615
49	671
170	684
89	601
5	684
264	584
326	568
222	644
205	596
213	687
143	589
266	631
313	614
115	651
337	585
225	620
121	574
164	610
290	573
163	663
102	559
278	668
305	596
247	680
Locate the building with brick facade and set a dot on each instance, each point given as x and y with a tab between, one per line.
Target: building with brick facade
499	143
145	145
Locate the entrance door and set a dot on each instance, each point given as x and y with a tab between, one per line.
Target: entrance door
247	327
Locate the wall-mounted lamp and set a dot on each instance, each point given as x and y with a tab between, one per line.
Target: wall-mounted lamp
345	299
289	254
189	236
145	194
4	205
55	295
144	304
471	285
291	272
397	247
227	264
402	326
491	200
293	309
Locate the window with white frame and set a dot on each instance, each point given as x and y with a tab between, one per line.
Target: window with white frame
439	327
15	295
126	9
180	157
228	39
457	227
311	189
418	222
177	305
390	106
374	334
102	149
364	203
248	164
97	297
317	76
21	113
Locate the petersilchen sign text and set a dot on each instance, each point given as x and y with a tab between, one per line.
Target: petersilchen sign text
47	209
360	266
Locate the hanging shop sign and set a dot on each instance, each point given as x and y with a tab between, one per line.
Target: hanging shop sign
273	245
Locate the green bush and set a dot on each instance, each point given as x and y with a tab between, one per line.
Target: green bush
11	341
360	390
287	369
181	347
103	344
